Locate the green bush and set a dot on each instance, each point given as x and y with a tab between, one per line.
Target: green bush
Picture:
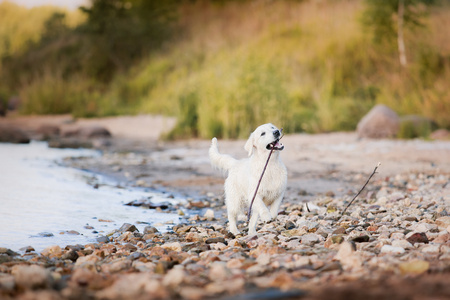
415	127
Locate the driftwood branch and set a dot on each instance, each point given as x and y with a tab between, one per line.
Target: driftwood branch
370	177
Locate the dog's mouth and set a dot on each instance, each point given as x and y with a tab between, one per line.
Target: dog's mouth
276	145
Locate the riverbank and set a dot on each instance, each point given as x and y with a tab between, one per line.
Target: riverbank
394	242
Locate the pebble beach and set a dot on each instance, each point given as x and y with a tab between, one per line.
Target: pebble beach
393	241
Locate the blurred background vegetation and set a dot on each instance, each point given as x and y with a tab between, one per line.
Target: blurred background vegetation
224	67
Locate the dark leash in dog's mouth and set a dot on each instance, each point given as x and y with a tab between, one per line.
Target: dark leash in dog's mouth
272	146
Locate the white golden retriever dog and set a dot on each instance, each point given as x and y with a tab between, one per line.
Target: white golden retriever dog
244	174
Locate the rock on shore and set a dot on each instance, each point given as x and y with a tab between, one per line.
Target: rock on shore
379	122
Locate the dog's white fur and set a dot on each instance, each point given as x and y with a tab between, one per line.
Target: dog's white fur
244	174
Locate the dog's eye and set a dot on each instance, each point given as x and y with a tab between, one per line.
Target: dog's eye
263	133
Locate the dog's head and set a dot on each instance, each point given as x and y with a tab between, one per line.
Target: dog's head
265	137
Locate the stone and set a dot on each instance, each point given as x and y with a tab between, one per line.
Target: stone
445	249
280	280
72	232
209	214
337	239
417	237
174	277
297	232
425	227
256	270
442	238
47	131
440	134
289	225
103	239
392	250
175	246
430	249
443	222
193	293
360	239
414	267
128	227
372	228
263	259
11	134
74	143
339	230
70	255
218	246
143	266
31	277
134	286
310	207
348	256
150	230
88	261
216	240
52	251
402	243
26	249
379	122
7	283
312	238
234	263
117	265
86	132
9	252
193	237
88	278
218	271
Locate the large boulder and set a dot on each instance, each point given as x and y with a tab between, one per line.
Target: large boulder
12	134
380	122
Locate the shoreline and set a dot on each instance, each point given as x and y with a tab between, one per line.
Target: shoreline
396	234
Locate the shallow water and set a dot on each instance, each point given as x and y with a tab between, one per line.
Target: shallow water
38	195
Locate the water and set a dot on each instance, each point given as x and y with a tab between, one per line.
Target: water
38	195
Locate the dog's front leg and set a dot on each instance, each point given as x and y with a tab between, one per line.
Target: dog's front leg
275	206
259	210
252	224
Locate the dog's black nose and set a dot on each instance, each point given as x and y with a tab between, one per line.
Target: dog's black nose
276	133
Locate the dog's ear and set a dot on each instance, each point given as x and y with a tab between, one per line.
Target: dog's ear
250	144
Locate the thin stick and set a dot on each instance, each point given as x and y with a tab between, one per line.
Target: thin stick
370	177
249	213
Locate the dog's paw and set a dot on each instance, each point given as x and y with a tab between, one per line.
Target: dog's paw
252	232
234	232
266	217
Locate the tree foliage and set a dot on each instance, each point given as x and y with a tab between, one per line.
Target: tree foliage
115	35
380	17
119	32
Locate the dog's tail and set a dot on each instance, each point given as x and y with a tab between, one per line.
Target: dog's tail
220	161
